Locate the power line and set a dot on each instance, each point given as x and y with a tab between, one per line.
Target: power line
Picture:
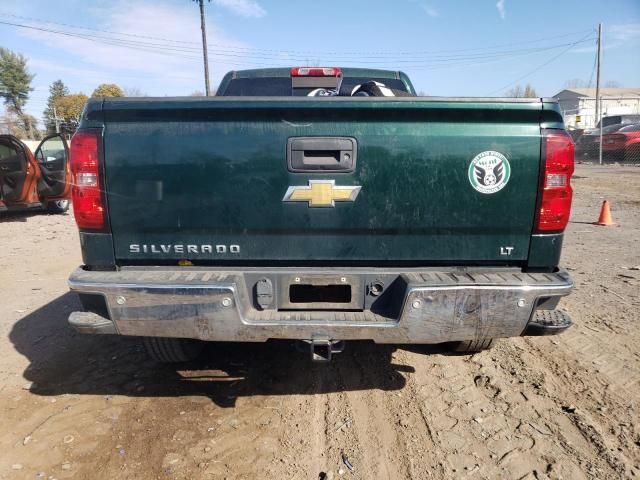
180	51
162	50
238	49
94	29
95	38
541	66
432	59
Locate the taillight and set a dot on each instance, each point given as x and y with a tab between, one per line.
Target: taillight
315	72
555	196
86	192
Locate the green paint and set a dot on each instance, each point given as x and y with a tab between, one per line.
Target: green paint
97	249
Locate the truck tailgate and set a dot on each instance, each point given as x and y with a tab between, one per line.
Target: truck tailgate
204	180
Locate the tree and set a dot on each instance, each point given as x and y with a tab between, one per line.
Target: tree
518	92
108	90
197	93
56	90
612	84
69	109
24	126
133	92
15	86
515	92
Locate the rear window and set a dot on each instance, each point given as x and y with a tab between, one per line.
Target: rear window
281	86
619	119
258	87
606	121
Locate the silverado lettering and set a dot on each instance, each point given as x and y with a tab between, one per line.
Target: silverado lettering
161	248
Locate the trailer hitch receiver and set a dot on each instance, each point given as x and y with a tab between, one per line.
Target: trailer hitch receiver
322	348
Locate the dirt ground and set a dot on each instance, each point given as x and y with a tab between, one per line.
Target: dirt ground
75	406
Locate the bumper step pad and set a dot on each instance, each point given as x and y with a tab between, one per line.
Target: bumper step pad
548	322
87	322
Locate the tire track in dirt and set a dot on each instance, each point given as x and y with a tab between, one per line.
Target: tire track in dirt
595	429
357	424
320	427
345	428
372	421
437	408
566	439
391	425
413	425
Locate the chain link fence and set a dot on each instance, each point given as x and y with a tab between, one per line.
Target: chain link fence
610	137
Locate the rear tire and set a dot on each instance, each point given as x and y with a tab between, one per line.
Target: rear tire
472	346
172	350
58	206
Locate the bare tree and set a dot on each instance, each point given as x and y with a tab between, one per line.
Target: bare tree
519	91
575	83
515	92
133	92
200	93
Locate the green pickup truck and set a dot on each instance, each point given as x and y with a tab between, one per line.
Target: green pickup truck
321	205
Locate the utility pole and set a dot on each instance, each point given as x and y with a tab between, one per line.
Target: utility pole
204	48
56	119
599	54
598	99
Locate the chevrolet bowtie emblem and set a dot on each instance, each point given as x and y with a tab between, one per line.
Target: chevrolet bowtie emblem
321	193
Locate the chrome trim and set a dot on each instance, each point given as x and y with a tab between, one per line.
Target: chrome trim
437	305
353	191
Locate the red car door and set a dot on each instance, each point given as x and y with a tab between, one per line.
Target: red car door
55	175
19	174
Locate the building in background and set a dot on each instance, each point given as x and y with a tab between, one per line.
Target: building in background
579	104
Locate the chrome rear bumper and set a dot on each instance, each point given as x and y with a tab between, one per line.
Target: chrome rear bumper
424	306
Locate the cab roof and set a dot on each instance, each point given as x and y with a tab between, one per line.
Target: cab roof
286	72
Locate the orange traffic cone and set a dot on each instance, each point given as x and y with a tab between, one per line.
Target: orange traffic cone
605	215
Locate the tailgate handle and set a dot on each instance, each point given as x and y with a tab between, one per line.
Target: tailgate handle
321	154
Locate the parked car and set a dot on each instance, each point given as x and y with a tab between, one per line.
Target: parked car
575	133
588	144
320	205
40	180
617	120
623	145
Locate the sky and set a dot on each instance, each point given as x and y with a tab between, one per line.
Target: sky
448	48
